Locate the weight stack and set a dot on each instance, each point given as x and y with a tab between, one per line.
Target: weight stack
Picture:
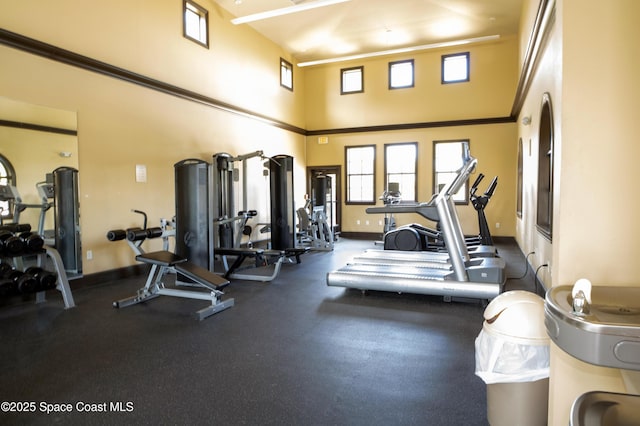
282	204
67	218
194	236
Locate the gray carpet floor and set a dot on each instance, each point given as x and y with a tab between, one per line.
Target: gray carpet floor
290	352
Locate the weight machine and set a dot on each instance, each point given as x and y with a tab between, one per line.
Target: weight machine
245	263
314	230
193	258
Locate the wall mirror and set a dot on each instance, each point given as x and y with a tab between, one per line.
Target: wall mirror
34	141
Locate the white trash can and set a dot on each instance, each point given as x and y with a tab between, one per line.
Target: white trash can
512	357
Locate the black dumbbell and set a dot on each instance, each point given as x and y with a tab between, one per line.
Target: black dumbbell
32	241
7	287
25	283
45	280
10	245
16	227
5	268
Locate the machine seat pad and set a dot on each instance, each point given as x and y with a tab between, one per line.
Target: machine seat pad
162	258
201	275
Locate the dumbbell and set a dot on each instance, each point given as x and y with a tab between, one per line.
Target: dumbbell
7	287
10	245
32	241
45	280
25	283
5	268
16	227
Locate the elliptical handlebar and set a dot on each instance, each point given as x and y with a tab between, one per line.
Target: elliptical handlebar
492	187
474	187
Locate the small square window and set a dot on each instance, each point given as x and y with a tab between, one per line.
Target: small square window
286	74
401	74
455	68
196	23
351	80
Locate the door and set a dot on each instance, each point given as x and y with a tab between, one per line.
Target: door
334	207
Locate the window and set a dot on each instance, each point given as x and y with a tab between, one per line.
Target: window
7	177
360	166
401	74
400	165
196	22
351	80
286	74
455	68
544	220
448	157
520	183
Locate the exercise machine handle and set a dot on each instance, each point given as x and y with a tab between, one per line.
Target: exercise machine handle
474	187
492	187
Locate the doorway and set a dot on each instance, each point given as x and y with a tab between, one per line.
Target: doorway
334	210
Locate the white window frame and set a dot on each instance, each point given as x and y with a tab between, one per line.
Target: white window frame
399	168
448	158
360	165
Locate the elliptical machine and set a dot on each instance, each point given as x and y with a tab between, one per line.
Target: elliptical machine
415	237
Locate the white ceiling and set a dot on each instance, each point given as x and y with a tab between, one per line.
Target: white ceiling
364	26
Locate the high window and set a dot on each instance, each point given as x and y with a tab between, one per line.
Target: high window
7	177
455	68
360	169
352	80
196	23
401	74
448	158
544	219
400	167
286	74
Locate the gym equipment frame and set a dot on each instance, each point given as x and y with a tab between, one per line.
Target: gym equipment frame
161	262
464	277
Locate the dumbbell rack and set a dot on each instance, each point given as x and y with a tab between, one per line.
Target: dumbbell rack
62	283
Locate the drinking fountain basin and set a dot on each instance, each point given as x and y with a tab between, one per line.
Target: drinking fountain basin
597	324
605	408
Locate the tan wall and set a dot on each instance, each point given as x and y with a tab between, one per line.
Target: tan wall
595	227
121	125
145	36
489	93
493	145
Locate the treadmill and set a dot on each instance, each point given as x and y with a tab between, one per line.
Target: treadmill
452	274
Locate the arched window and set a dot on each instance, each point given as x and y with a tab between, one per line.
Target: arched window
7	177
545	169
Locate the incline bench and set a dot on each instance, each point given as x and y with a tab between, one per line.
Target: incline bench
161	262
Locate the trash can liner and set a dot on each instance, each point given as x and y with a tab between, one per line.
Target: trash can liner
513	345
499	360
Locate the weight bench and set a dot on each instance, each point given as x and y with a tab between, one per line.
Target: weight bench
262	258
161	262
